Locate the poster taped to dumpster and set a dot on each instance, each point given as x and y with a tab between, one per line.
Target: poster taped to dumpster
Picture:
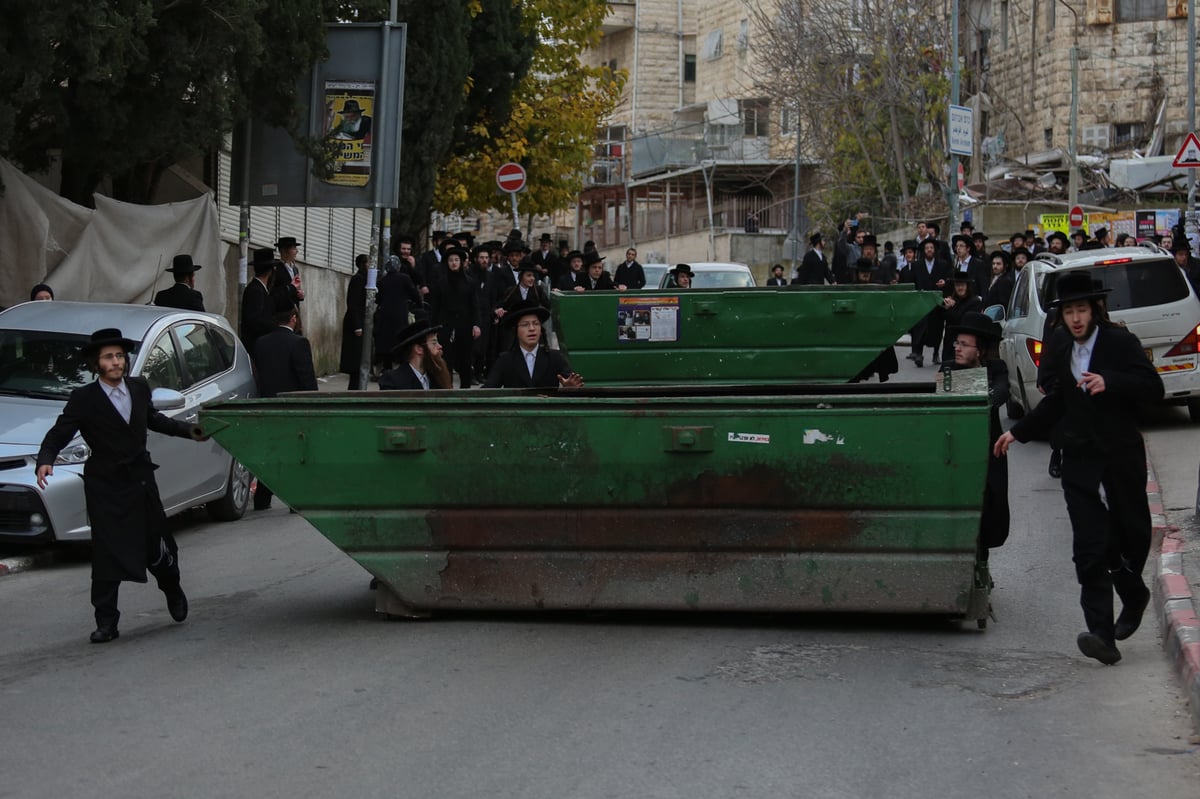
648	319
349	109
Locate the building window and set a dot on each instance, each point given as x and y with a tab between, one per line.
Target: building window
1126	134
1052	14
743	37
1141	10
1048	137
1003	24
755	117
712	45
689	68
787	120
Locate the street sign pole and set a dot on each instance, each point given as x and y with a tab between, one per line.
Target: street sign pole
516	218
510	178
1190	223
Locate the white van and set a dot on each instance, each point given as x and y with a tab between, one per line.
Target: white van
1149	295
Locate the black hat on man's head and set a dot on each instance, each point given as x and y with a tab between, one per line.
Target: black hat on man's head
964	239
815	239
462	254
182	265
527	266
526	308
864	265
592	257
351	107
979	235
1181	245
978	324
547	237
869	239
105	337
910	244
1075	286
286	241
682	269
1078	232
1058	234
515	245
264	261
416	333
1100	233
573	254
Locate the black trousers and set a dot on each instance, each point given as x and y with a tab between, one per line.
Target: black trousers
166	574
458	352
1111	541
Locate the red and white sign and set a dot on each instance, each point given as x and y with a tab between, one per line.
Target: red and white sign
1188	156
510	177
1076	217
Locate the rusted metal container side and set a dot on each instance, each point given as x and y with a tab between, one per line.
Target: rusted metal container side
718	498
796	334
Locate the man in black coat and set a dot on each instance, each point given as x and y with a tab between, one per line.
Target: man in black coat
285	363
129	535
546	260
596	277
1101	374
397	296
258	306
814	269
929	273
572	279
350	361
777	278
1190	266
417	350
529	364
183	294
629	274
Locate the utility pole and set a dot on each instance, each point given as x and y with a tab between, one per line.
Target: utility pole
1072	133
1190	224
952	194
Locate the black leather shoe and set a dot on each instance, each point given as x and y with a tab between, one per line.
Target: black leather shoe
177	604
1055	466
1096	647
260	506
919	361
1131	616
103	635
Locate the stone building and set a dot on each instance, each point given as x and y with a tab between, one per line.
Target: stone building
693	163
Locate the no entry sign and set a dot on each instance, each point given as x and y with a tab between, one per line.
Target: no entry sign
1076	217
510	177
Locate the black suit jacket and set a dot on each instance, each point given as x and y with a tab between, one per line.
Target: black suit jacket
118	479
1094	424
402	378
510	370
284	361
182	296
926	280
630	275
605	283
777	281
570	280
256	313
814	270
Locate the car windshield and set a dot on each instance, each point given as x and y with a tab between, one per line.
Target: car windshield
1137	284
38	363
717	279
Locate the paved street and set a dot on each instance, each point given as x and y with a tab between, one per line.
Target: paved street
284	683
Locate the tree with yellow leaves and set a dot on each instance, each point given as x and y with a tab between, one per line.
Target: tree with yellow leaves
551	127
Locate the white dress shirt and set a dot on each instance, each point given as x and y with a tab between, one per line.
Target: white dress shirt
530	359
119	396
424	378
1081	356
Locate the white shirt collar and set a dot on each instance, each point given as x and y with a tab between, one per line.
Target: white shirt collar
110	389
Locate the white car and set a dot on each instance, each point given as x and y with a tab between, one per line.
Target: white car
1149	295
188	358
712	275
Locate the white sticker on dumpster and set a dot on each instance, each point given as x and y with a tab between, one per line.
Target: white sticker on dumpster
749	438
813	436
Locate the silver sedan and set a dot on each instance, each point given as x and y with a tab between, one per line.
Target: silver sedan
185	354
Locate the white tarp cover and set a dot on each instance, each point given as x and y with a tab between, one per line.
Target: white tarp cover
116	253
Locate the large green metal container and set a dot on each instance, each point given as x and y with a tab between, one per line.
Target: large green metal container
851	498
794	334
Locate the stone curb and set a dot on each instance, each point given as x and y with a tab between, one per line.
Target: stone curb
1173	596
23	563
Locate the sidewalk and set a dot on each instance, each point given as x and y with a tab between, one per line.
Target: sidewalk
1174	599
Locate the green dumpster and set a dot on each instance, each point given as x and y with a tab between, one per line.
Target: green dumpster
796	334
711	497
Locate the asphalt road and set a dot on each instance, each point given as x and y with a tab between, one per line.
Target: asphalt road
284	683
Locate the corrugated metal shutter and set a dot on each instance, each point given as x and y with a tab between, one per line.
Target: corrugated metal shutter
316	237
228	215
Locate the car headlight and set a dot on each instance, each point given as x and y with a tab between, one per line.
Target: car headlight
75	452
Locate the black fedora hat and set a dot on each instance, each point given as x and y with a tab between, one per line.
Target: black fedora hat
573	254
1181	245
415	333
527	266
954	240
910	244
514	245
682	269
351	107
960	276
182	265
264	260
815	239
1058	234
864	265
525	308
462	254
869	238
592	257
978	324
546	237
1075	286
105	337
286	241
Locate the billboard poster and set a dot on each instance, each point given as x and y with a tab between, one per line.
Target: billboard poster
349	110
648	319
1146	224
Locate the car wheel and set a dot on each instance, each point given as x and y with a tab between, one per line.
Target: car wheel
232	506
1194	409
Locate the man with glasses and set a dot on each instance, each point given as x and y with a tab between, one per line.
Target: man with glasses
529	364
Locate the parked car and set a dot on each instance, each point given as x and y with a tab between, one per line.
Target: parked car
195	354
1149	295
711	275
654	274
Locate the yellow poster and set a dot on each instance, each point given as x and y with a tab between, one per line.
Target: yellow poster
349	112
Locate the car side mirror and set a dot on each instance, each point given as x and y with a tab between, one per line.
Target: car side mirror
166	399
994	312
